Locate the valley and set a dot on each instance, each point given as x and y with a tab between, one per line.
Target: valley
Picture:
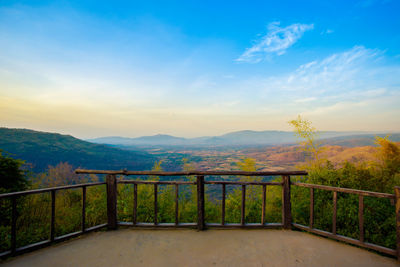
41	149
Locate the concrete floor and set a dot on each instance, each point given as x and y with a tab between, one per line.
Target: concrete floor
130	247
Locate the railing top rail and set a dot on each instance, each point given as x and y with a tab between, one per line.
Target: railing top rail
193	183
346	190
242	183
44	190
190	173
156	182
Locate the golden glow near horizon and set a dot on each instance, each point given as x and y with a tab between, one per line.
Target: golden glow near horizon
110	120
65	69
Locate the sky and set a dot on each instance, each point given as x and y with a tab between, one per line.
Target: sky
195	68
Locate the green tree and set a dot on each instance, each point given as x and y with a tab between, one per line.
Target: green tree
188	196
12	176
380	175
253	196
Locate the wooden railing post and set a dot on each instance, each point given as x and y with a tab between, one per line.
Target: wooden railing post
53	215
311	208
134	215
223	205
334	213
111	182
286	205
361	216
243	206
176	204
83	209
264	198
397	195
155	204
13	224
200	202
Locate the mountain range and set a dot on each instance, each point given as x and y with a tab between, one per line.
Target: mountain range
41	149
239	138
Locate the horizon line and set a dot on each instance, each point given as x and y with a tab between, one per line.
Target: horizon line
201	136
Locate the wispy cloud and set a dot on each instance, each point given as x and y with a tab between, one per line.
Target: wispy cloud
350	86
357	69
327	31
276	41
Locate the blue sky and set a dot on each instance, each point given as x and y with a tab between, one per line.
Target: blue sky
192	68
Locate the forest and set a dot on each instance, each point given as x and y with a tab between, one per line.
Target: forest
380	175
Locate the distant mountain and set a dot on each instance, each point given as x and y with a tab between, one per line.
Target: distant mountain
159	139
359	140
43	149
239	138
271	137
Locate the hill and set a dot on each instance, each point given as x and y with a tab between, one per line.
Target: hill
159	139
42	149
358	140
238	138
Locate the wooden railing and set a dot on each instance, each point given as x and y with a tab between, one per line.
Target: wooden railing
200	182
286	223
52	238
361	241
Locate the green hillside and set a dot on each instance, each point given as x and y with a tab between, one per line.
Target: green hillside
42	149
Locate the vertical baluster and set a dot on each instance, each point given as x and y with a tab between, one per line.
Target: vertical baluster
397	210
361	216
243	212
134	215
264	196
200	202
155	204
334	213
286	207
223	205
53	215
83	209
111	181
311	207
176	204
13	224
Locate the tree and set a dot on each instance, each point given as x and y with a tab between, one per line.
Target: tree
62	174
380	175
387	165
310	145
12	176
247	164
388	154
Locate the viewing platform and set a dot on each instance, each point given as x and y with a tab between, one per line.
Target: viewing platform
137	247
132	242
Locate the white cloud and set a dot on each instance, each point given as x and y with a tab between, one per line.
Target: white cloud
345	87
276	41
353	70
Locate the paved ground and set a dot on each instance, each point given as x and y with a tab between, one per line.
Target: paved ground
130	247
